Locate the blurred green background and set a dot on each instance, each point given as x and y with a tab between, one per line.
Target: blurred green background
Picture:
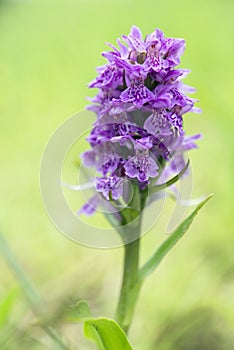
48	54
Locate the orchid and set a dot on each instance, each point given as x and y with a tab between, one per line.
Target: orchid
138	148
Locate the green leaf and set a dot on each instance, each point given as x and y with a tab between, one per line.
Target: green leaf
170	182
107	334
79	312
82	310
160	253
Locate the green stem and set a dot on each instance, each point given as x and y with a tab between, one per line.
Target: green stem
131	284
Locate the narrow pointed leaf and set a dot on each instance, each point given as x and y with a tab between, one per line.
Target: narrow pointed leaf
166	246
107	334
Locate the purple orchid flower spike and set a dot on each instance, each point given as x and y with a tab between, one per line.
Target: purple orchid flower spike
139	108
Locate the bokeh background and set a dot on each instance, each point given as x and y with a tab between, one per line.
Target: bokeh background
48	54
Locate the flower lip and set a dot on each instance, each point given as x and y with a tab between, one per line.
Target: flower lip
142	166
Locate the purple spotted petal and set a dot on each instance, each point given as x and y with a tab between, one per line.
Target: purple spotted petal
112	185
153	62
134	39
175	51
110	77
104	157
141	166
176	121
158	124
137	93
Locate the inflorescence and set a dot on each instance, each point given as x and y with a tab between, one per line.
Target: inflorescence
138	135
